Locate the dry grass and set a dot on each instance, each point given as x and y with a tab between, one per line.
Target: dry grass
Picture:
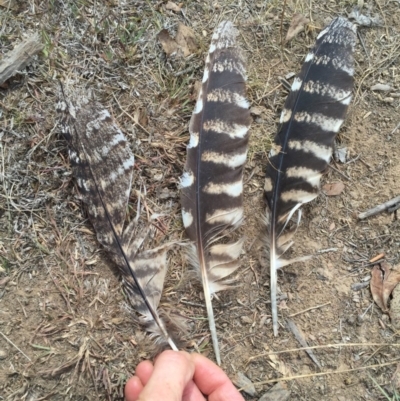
61	303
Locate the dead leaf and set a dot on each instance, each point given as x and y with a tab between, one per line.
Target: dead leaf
168	44
383	281
336	188
277	364
186	40
173	7
297	25
184	43
11	4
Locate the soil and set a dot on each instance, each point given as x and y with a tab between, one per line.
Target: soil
66	330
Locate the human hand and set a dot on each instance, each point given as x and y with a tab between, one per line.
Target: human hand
179	376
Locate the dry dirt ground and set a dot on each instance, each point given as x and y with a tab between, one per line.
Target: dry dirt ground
66	329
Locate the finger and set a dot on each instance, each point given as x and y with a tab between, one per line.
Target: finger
192	393
212	381
172	372
133	388
143	371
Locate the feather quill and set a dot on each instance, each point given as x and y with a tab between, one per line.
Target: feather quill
313	113
102	164
212	183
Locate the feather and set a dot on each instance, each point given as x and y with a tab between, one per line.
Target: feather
102	164
312	116
212	183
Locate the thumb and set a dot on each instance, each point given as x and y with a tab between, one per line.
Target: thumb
172	372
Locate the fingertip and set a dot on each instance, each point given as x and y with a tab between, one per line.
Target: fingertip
213	381
171	374
144	371
133	388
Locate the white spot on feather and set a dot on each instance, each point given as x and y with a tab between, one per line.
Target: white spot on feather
129	162
309	57
222	95
199	104
311	176
233	189
298	196
228	160
325	89
206	74
285	115
194	140
186	180
226	216
268	185
326	123
187	218
296	85
320	151
223	127
323	32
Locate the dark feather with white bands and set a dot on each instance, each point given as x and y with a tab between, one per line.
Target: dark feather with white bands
102	164
312	116
212	184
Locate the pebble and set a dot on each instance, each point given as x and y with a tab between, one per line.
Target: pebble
381	87
246	320
3	354
277	393
241	380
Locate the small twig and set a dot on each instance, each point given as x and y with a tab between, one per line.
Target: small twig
379	209
321	251
8	340
281	27
334	372
17	59
191	303
395	129
339	172
377	257
308	309
321	347
300	338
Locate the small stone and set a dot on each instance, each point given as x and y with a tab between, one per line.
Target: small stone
388	100
257	110
3	354
242	381
381	87
277	393
246	320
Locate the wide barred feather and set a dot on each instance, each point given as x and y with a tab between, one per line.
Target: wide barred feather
312	116
102	164
212	183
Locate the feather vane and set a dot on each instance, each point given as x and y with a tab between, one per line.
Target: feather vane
102	164
212	183
313	113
